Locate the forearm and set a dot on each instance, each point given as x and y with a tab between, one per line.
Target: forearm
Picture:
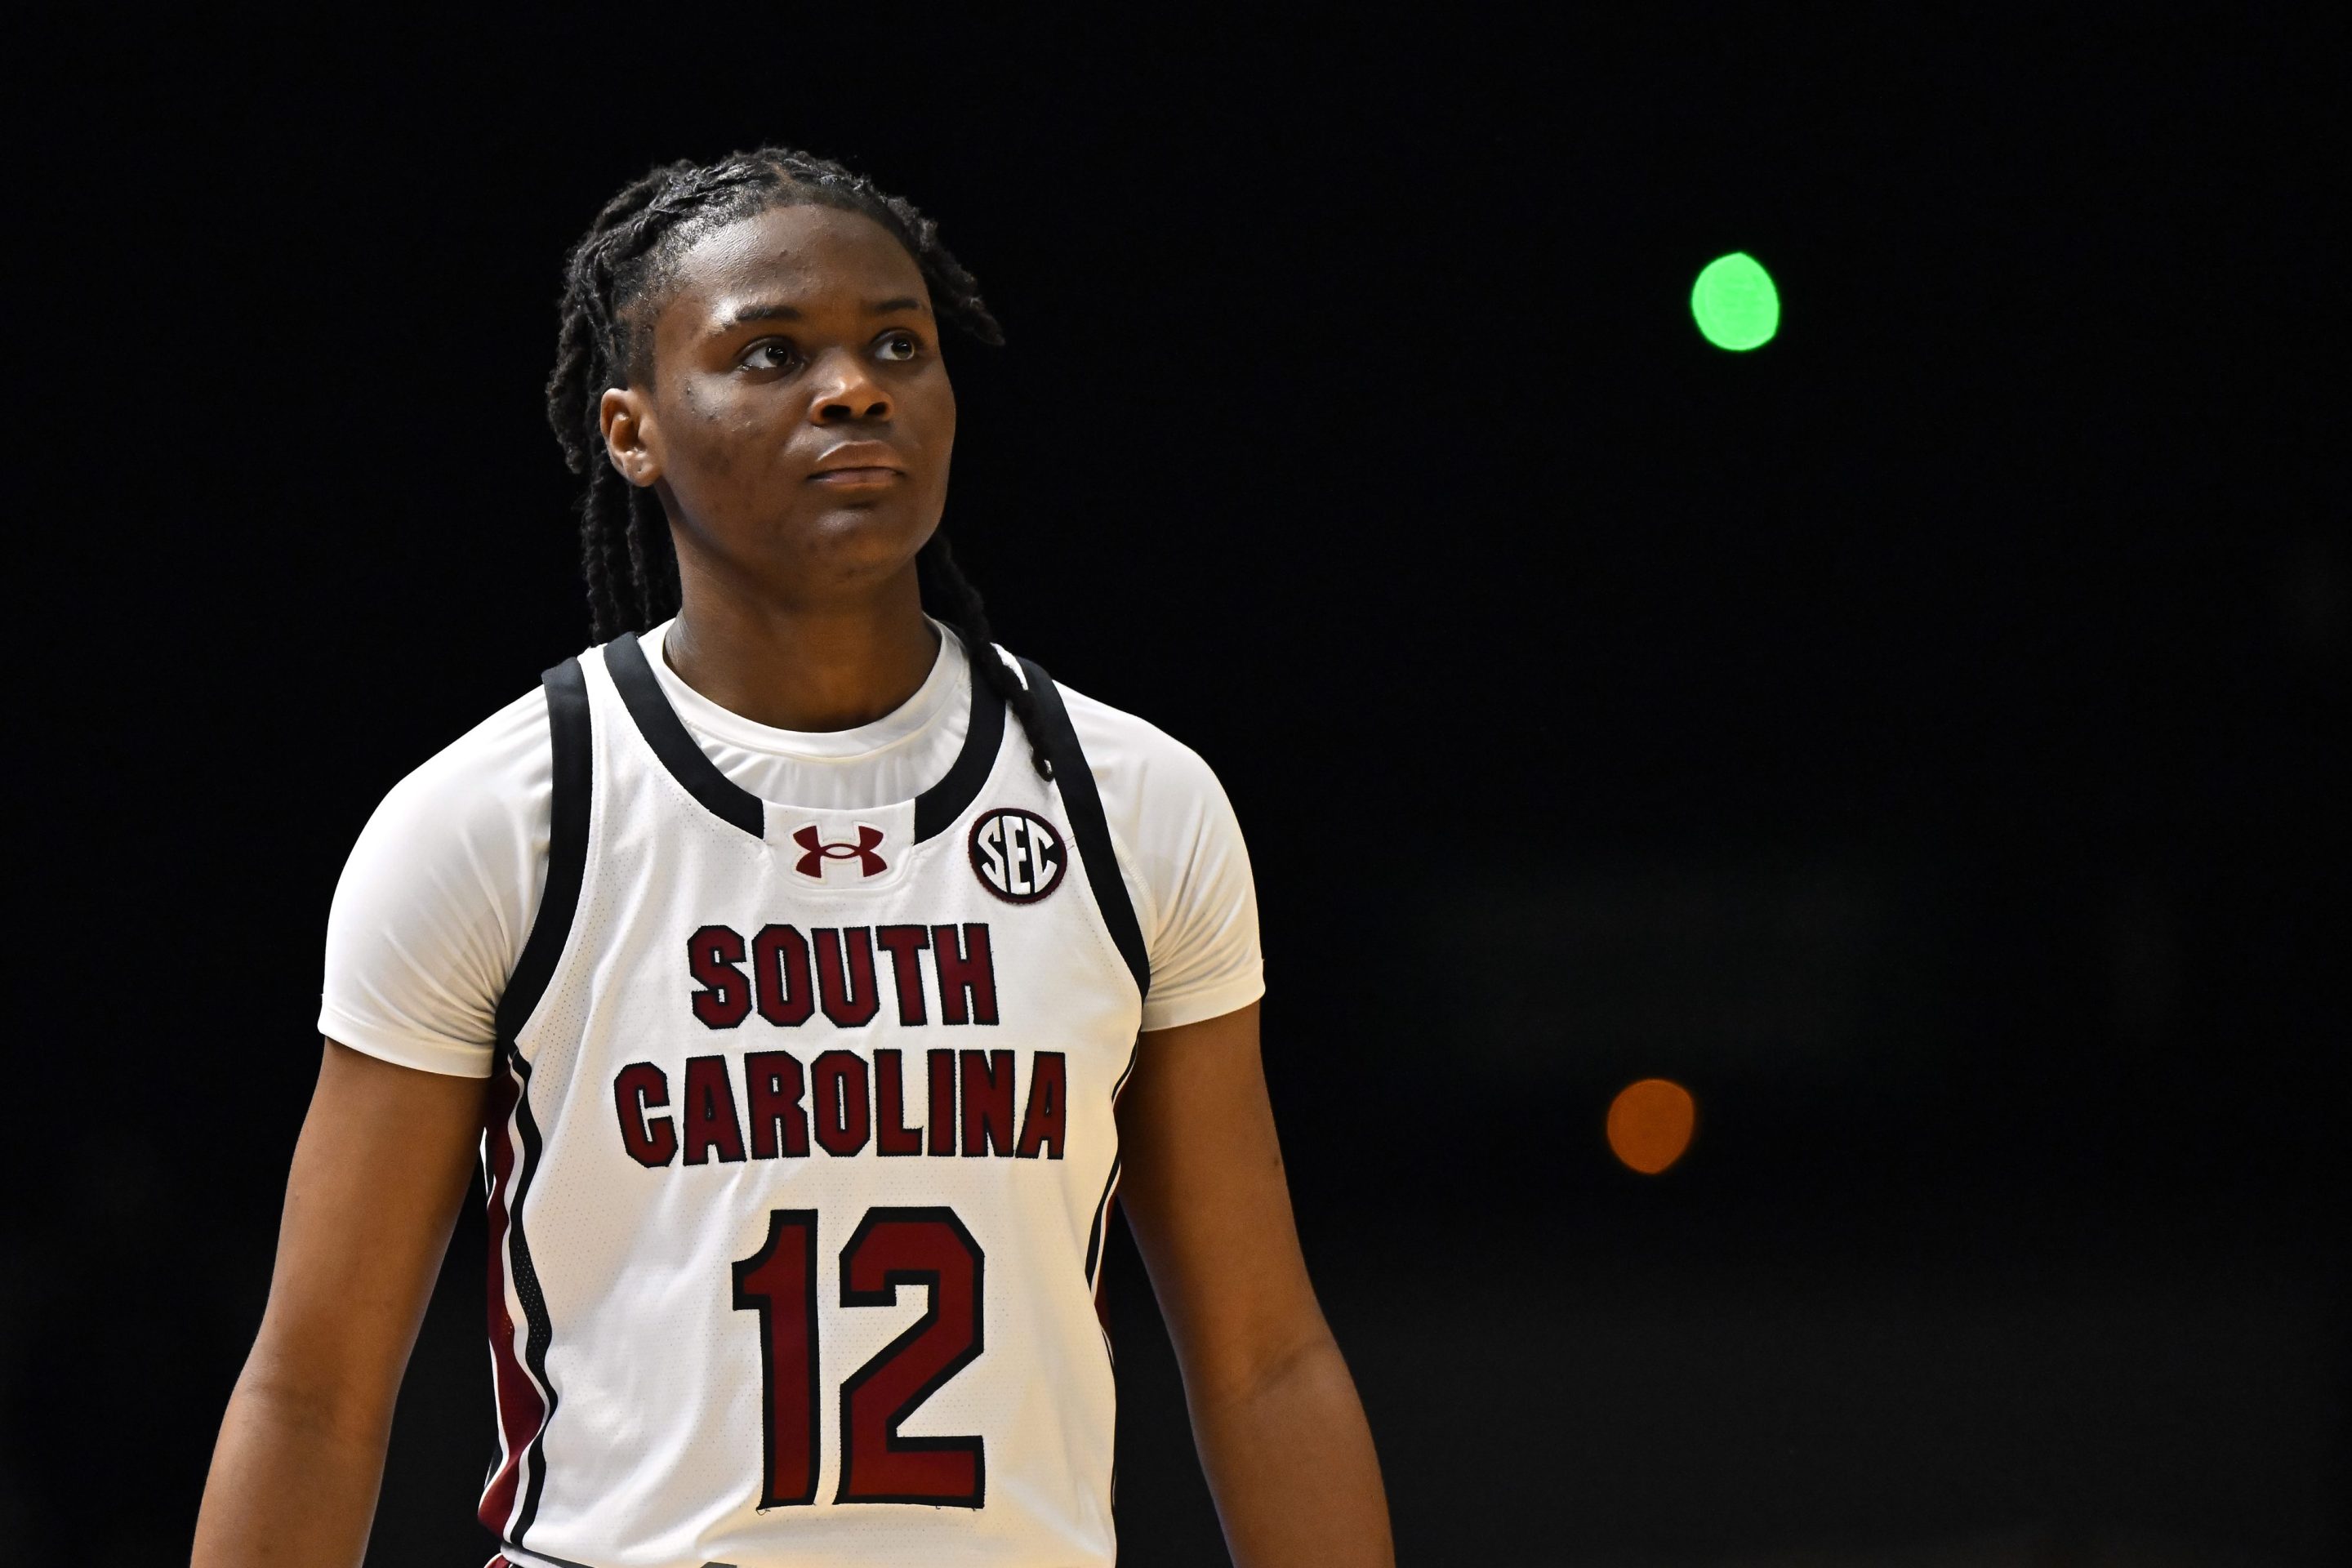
294	1481
1290	1463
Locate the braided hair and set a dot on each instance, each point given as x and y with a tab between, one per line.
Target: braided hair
626	259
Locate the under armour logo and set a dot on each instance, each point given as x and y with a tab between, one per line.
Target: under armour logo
811	863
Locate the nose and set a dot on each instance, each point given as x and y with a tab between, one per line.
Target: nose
845	391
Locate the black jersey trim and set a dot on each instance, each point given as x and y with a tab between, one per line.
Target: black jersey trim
1102	1215
936	809
570	741
567	847
1083	802
1110	1184
541	1328
659	722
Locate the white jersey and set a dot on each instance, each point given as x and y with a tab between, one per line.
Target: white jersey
800	1151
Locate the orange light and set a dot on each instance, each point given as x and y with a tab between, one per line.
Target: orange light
1650	1124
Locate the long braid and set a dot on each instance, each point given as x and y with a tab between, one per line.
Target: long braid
946	586
627	556
588	359
596	556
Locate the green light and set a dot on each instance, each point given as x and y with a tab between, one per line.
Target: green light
1735	303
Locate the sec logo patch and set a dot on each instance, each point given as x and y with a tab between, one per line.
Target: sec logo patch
1017	855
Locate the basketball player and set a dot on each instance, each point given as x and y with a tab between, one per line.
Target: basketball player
809	974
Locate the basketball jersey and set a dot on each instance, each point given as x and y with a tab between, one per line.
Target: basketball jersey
800	1148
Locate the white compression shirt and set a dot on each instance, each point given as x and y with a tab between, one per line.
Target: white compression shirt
439	891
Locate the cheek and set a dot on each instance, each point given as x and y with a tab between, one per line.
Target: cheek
934	408
717	438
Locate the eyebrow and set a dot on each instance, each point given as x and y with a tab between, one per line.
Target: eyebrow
778	312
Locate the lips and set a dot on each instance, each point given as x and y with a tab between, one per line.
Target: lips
858	463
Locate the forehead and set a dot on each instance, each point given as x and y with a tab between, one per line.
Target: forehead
811	257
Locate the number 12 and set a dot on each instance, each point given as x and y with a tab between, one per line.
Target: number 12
890	1248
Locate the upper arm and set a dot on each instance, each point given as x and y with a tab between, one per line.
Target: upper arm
1208	1204
383	1161
1202	1183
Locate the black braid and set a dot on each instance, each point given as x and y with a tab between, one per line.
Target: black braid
944	584
611	281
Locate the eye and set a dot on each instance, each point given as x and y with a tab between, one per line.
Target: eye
899	346
772	353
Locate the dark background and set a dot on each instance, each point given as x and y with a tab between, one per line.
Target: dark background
1915	736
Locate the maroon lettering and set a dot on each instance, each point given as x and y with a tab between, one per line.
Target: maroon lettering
905	946
1042	1124
846	989
772	1088
987	1102
711	955
891	1133
838	1086
651	1140
780	962
709	1113
967	974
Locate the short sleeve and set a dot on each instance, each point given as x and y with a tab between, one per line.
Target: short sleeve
1184	861
436	899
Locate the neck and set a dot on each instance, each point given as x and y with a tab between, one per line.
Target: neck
832	665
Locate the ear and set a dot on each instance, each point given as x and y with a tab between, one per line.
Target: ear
626	416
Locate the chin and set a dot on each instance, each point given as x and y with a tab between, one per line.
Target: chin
860	539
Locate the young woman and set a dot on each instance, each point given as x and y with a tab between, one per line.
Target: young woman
810	974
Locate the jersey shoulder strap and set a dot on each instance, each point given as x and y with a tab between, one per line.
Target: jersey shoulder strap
1084	803
567	849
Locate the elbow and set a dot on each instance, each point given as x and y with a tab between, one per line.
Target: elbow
1263	1369
325	1401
